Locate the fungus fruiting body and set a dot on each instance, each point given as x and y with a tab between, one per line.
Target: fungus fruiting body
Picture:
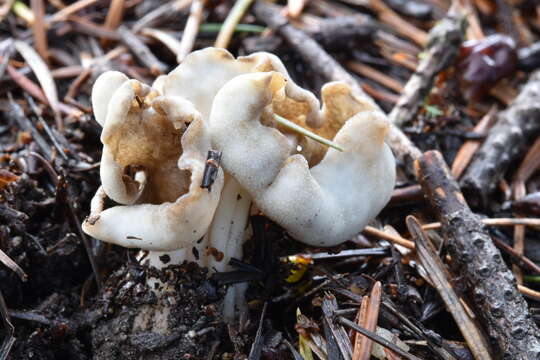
322	205
155	141
152	166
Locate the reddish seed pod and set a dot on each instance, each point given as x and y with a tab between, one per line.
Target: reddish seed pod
482	63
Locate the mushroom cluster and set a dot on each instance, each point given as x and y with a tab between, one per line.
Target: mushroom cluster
156	139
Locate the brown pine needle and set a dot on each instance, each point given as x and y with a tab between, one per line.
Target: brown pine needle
533	294
469	147
370	323
39	29
63	14
114	16
370	230
375	75
495	222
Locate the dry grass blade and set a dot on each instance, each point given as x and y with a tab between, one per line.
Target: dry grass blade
192	29
439	277
519	241
115	14
363	344
6	260
233	18
44	76
17	113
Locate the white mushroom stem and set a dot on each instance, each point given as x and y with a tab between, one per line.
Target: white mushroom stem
226	234
162	259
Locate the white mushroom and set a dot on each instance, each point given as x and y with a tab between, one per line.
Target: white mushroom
198	79
323	205
153	167
201	76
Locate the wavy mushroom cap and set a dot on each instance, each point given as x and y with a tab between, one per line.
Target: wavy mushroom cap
153	166
202	74
323	205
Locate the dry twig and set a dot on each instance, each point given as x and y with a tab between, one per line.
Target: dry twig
442	47
495	294
506	141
